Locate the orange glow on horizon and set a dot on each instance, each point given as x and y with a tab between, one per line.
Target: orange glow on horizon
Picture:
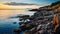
10	12
2	6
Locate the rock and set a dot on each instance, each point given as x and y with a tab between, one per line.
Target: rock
26	32
14	22
34	10
17	31
20	23
40	22
24	16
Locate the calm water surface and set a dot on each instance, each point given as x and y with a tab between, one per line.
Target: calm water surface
6	25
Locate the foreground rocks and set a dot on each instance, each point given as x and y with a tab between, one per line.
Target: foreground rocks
42	22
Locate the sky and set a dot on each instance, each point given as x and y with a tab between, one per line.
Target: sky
17	4
7	5
30	1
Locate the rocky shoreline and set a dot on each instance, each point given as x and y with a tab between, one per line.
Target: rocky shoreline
42	22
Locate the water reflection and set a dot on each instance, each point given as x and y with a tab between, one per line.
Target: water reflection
7	26
8	13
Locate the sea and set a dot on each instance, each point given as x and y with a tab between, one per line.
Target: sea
6	23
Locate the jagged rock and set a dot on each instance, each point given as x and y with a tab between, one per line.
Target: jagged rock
20	23
17	31
40	22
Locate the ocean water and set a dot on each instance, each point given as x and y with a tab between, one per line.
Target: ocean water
9	13
6	25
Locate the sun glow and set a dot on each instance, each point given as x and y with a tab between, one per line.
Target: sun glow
2	6
8	10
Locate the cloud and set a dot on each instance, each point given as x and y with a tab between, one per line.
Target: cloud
18	4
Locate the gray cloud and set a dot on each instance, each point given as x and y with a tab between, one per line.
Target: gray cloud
18	4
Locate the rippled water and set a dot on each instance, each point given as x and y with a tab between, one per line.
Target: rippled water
6	25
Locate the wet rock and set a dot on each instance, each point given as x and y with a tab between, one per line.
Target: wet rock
17	31
40	22
14	22
20	23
